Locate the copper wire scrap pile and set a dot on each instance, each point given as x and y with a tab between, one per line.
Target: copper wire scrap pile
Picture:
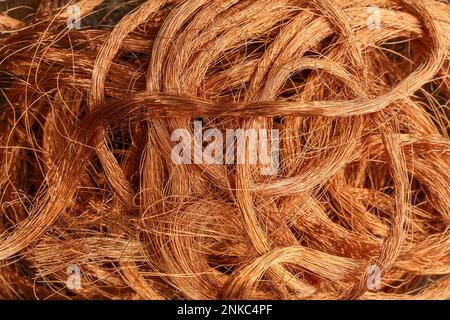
92	205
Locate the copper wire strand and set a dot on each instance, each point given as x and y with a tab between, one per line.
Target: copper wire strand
87	178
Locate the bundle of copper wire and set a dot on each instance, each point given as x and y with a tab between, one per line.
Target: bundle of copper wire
87	181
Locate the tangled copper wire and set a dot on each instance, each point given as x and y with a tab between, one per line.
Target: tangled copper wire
87	180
